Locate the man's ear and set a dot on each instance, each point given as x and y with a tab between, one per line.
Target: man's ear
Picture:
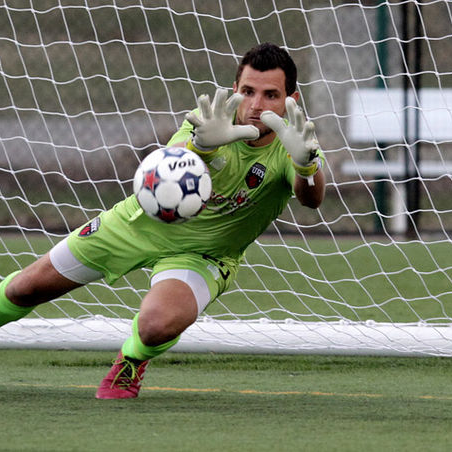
295	95
234	87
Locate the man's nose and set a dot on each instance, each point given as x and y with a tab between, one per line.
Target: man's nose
256	103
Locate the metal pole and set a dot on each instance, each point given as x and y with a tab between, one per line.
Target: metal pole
380	189
411	89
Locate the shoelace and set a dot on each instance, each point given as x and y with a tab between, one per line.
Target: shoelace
126	376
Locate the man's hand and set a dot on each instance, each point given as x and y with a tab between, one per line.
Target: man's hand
214	127
297	137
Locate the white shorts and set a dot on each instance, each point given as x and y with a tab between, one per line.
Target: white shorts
68	266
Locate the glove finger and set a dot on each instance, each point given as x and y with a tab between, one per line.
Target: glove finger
300	121
272	120
219	101
193	119
204	106
291	108
295	114
232	104
246	133
308	135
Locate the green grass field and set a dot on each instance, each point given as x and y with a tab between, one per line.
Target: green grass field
227	403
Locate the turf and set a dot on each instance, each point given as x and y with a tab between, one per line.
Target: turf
228	403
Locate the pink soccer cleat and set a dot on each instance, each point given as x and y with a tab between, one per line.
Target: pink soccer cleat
124	379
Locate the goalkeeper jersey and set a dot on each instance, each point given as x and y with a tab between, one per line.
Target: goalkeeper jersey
250	188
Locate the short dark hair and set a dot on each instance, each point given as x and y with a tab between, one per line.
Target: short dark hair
267	56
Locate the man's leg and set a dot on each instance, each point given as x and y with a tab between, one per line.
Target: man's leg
9	311
167	310
54	274
21	291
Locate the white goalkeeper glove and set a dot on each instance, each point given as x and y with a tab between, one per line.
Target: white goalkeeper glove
297	137
214	126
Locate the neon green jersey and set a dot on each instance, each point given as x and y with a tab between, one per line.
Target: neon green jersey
251	186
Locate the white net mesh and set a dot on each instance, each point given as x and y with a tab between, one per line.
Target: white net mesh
89	88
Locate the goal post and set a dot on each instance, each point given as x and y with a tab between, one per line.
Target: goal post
87	90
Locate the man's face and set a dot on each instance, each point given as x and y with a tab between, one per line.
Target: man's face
261	91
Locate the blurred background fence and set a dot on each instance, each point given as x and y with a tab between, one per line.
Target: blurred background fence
88	88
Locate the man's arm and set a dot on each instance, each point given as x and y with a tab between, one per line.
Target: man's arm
310	195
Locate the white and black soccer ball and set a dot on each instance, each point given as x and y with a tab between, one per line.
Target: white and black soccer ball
172	185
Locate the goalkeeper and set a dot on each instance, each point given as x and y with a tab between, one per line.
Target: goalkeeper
257	161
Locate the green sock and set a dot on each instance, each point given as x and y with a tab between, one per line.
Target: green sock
135	349
8	310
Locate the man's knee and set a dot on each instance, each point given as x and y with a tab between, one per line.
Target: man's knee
167	310
38	283
155	328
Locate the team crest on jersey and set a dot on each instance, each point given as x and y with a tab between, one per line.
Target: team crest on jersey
255	175
90	228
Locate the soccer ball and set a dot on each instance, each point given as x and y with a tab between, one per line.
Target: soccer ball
172	185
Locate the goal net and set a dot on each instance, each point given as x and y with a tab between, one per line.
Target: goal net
90	88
